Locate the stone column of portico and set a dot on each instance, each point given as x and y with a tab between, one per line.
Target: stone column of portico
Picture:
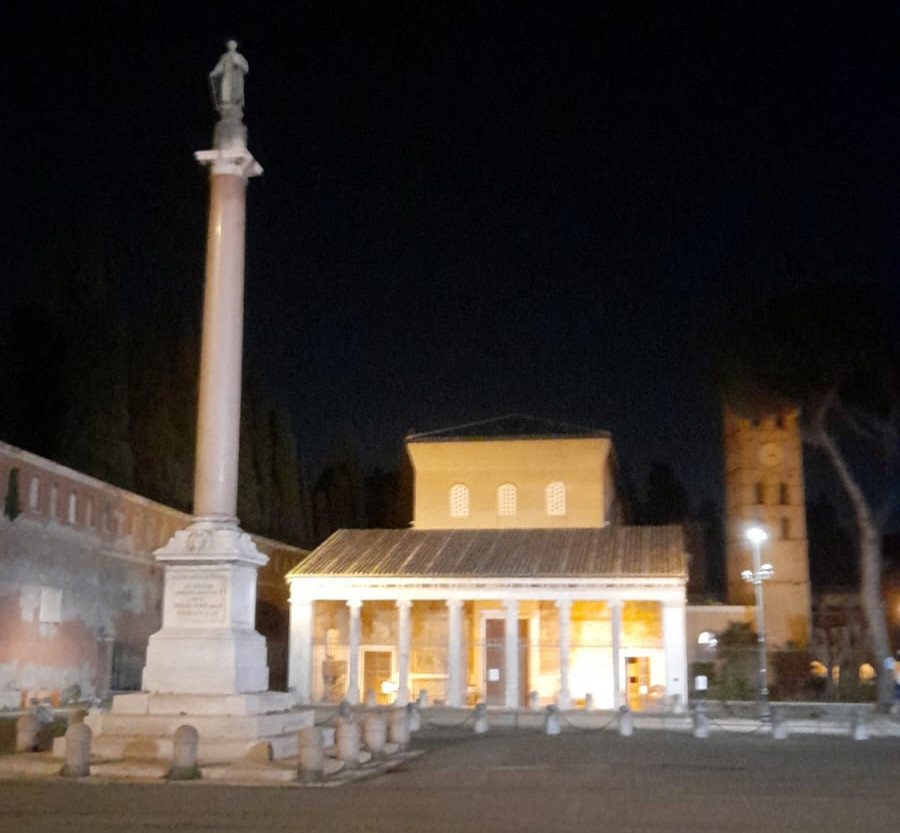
615	609
454	652
675	645
511	657
403	647
354	606
565	608
301	649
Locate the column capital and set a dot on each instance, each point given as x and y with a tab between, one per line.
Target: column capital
511	604
403	603
563	604
454	603
616	603
354	604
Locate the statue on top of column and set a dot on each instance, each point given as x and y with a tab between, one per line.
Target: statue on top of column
227	79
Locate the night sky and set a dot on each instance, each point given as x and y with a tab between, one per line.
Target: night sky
470	209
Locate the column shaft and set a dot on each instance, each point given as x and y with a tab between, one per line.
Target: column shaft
675	645
403	648
219	412
616	611
565	609
454	653
512	696
353	651
301	649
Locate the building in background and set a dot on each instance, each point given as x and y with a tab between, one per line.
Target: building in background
517	577
80	591
764	486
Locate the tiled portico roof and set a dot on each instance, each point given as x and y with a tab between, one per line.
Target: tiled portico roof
612	551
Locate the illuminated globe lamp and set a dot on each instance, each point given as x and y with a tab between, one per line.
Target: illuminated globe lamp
760	573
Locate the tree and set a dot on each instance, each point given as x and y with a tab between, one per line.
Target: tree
11	506
831	354
665	499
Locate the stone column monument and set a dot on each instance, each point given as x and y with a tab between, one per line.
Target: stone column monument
207	662
208	643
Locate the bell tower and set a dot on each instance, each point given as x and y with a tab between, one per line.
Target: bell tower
764	486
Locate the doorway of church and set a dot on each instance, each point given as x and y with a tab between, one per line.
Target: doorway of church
638	671
495	662
377	667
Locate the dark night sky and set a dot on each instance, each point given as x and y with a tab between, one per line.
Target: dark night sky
470	209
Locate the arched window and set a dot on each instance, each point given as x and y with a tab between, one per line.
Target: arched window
506	499
459	500
555	494
34	493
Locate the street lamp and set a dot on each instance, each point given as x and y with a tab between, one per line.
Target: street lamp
756	535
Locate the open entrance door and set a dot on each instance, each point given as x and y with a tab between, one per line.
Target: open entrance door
495	662
377	666
638	671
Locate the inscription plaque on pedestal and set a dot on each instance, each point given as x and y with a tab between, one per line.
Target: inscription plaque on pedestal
196	600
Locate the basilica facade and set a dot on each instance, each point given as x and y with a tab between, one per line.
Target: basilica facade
517	583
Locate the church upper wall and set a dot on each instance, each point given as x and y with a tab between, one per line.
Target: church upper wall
512	483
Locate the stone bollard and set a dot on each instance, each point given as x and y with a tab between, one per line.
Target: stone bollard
415	717
185	743
311	767
78	751
27	729
626	722
371	700
347	742
345	710
400	728
589	702
859	726
533	700
779	724
375	735
423	698
481	723
701	722
551	720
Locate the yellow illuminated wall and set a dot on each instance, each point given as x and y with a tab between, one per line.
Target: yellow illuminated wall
482	468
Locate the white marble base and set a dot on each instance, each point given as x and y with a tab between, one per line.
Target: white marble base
207	644
213	662
142	725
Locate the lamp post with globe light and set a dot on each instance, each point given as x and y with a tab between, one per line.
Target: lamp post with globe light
756	535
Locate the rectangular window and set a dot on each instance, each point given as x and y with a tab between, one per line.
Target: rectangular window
73	506
51	605
34	494
54	500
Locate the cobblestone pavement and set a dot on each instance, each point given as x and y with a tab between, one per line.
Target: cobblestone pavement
520	782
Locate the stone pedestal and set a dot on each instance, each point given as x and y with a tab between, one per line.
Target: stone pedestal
207	644
143	725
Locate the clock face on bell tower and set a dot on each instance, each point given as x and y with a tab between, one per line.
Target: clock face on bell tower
764	486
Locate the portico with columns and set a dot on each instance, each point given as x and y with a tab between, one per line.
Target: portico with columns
614	630
517	579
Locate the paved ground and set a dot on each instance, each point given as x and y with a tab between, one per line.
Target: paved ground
520	782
